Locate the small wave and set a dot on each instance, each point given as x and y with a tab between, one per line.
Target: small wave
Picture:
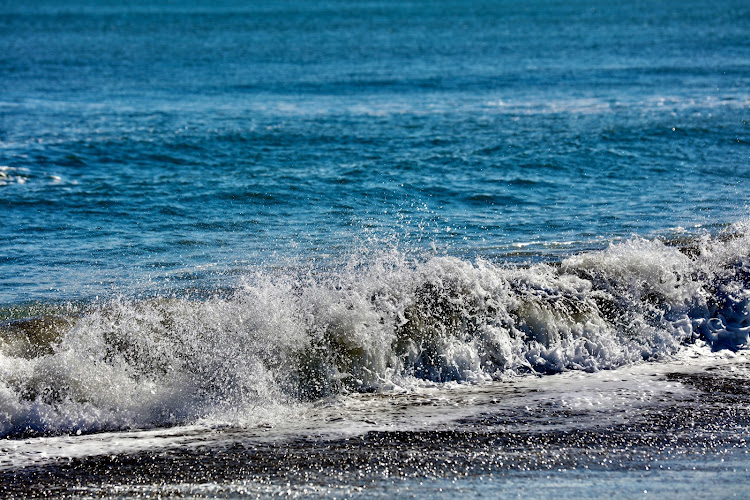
11	175
381	322
21	175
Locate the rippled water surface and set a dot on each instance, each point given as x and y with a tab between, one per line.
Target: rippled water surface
155	140
228	218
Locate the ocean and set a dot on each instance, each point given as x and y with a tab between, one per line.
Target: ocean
374	248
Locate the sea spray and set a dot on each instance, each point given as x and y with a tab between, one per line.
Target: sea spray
381	322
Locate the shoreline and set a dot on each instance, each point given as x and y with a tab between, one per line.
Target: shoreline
689	424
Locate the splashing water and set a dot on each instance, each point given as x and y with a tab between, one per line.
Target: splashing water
382	322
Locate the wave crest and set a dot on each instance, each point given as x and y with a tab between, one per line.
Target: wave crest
380	323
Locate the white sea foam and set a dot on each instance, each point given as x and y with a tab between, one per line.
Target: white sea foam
22	175
381	323
607	397
13	175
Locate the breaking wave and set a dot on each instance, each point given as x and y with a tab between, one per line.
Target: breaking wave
382	322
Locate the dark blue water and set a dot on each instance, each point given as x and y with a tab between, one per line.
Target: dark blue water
182	140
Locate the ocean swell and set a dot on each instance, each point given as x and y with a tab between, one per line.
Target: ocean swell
382	322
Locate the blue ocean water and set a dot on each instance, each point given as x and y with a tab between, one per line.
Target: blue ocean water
186	141
223	219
